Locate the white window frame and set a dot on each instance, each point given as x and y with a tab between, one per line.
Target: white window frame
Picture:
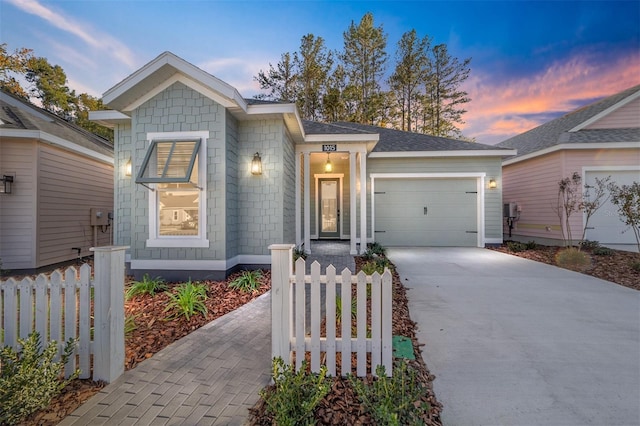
200	240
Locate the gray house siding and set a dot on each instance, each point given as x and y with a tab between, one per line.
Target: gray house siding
232	186
289	189
123	186
492	166
179	108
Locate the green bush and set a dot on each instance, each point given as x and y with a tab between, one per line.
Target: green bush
298	252
377	249
148	286
395	400
295	395
515	246
635	266
29	379
376	265
572	258
603	251
248	281
531	245
354	309
188	300
589	245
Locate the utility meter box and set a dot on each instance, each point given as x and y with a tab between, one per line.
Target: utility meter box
510	210
99	217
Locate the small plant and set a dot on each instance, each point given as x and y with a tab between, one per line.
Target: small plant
531	245
29	379
635	266
589	245
572	258
377	249
378	265
515	246
295	395
603	251
148	286
395	400
248	281
129	324
187	300
354	309
298	253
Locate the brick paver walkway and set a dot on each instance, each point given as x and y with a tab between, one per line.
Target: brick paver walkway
210	377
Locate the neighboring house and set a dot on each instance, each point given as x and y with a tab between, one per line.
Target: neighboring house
193	207
596	141
60	172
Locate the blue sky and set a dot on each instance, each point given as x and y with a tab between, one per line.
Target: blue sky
531	60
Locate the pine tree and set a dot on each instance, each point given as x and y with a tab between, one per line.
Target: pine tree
12	65
312	65
364	59
280	80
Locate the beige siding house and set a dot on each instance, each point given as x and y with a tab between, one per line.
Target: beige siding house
596	141
192	137
60	173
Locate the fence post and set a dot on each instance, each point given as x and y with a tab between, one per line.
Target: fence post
281	270
108	355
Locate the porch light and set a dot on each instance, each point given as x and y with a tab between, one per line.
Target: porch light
493	184
256	164
128	168
328	167
6	184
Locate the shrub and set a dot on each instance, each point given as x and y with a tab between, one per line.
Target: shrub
248	281
295	395
129	324
148	286
515	246
395	400
376	265
188	300
602	251
589	245
635	266
377	249
531	245
29	379
354	309
298	253
572	258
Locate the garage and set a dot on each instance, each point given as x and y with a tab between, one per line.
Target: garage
605	225
435	212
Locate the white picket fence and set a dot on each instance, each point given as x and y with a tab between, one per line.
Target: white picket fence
289	316
58	307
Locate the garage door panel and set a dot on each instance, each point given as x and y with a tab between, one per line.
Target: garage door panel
450	219
605	225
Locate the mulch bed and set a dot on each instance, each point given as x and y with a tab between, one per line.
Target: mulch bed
616	267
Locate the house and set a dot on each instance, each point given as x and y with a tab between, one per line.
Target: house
217	178
596	141
57	178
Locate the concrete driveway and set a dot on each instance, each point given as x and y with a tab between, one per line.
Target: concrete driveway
516	342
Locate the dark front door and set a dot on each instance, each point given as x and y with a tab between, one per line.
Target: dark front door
329	205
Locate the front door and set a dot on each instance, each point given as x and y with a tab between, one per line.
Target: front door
329	208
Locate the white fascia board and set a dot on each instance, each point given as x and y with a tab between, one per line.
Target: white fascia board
108	117
606	112
261	109
200	78
55	140
572	146
471	153
193	84
324	138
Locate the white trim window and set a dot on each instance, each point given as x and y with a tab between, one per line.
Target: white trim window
175	169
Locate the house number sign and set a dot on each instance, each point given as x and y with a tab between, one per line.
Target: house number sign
329	148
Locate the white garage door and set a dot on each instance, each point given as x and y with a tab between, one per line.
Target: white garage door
426	212
605	225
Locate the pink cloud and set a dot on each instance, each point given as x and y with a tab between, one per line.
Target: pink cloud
498	109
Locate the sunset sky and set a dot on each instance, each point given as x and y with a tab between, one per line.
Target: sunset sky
531	61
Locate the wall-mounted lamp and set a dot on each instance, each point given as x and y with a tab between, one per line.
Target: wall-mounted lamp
6	184
328	167
493	184
128	168
256	164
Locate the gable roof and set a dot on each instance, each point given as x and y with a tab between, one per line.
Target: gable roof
21	119
570	128
401	143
